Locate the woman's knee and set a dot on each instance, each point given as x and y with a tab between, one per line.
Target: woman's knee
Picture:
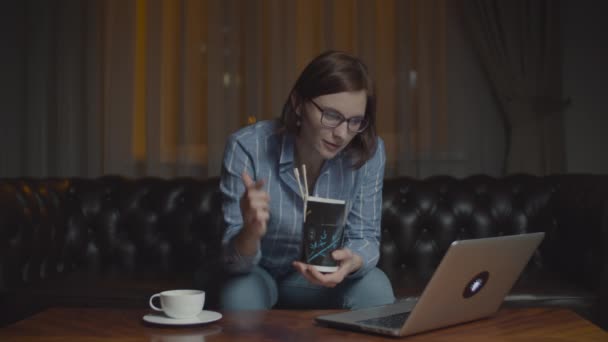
255	290
373	289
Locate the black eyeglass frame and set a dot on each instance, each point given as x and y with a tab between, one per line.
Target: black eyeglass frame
362	126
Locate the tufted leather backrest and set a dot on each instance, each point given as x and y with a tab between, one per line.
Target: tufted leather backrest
114	225
422	217
107	225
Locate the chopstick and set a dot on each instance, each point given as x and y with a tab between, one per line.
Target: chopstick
304	191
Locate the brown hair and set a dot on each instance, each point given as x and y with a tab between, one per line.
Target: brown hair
329	73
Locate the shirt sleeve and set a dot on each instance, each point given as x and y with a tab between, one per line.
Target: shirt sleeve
363	221
236	160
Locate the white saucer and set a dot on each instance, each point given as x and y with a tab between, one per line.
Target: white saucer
204	317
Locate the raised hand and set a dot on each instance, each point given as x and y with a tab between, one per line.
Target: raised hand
254	208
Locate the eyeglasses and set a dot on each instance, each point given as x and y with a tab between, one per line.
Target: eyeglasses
332	119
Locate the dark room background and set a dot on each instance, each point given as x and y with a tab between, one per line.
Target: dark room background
154	87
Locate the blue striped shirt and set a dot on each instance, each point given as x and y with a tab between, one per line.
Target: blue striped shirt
266	153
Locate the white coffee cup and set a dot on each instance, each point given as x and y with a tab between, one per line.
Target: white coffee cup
180	303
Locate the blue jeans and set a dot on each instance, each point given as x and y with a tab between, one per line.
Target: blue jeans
258	290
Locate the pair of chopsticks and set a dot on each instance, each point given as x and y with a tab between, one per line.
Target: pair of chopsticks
303	193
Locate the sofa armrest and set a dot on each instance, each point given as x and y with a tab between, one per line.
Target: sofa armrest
575	246
18	235
579	248
15	236
31	231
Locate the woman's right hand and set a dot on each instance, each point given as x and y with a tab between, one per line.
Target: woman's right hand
254	208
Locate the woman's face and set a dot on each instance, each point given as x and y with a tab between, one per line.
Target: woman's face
327	142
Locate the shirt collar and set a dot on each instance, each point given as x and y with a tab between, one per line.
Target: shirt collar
286	161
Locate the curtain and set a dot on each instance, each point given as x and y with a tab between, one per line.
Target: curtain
154	87
53	84
519	45
422	105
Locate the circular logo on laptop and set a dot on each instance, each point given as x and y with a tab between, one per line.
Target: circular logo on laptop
476	284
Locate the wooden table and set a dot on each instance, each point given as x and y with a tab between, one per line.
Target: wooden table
96	324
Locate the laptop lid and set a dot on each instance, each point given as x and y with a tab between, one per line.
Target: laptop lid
470	283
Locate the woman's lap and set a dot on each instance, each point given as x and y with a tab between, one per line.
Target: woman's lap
258	290
255	290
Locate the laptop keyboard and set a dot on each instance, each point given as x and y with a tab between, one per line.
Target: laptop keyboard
392	321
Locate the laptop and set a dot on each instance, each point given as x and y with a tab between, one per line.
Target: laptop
470	283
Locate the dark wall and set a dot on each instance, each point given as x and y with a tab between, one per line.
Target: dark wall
13	34
585	74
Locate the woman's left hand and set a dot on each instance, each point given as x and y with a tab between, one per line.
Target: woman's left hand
348	262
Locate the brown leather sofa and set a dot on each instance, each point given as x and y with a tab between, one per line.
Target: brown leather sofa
114	241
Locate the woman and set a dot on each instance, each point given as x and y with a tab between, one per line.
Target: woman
328	125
